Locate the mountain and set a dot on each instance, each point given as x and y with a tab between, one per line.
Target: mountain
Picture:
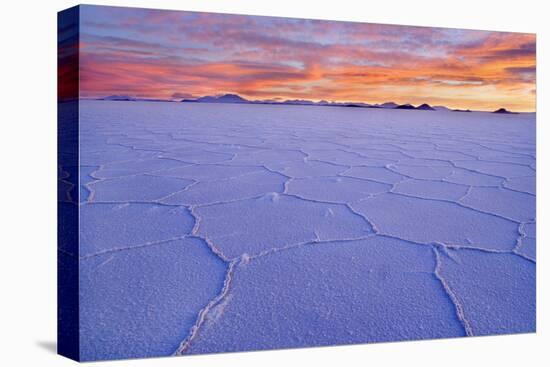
459	110
232	98
408	106
388	105
425	107
441	108
205	99
226	98
298	102
133	99
502	110
118	98
153	100
405	107
354	105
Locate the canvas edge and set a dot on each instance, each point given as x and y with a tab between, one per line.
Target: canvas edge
68	315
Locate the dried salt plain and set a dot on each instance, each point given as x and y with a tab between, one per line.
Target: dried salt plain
223	227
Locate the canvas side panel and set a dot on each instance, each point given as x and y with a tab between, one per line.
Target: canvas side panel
68	183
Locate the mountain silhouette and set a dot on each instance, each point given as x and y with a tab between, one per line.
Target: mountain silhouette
226	98
425	107
406	106
502	110
388	105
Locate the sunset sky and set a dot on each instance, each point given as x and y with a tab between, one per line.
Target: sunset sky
174	55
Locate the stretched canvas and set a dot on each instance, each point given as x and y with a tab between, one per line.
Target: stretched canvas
235	183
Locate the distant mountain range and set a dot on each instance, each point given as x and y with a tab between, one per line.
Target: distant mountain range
128	98
235	98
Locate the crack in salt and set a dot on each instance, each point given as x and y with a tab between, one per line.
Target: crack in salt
203	314
459	309
132	247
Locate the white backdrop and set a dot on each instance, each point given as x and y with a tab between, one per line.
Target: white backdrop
28	182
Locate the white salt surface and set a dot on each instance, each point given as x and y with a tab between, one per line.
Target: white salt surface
223	227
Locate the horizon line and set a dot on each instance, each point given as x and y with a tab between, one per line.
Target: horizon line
279	100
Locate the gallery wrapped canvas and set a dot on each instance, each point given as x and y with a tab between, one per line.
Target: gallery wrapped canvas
236	183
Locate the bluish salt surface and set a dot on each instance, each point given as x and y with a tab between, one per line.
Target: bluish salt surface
422	172
525	184
232	188
372	290
428	220
135	167
380	174
498	286
435	190
336	189
467	177
143	188
224	227
282	220
107	227
142	302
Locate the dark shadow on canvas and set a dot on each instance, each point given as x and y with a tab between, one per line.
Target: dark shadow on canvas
48	345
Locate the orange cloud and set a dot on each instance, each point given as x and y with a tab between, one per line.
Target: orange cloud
269	58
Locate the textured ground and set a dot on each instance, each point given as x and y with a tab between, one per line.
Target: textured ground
211	228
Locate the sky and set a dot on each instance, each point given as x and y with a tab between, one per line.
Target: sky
174	55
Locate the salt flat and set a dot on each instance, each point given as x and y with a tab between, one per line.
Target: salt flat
224	227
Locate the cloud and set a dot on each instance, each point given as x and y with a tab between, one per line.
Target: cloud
522	70
158	53
524	50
